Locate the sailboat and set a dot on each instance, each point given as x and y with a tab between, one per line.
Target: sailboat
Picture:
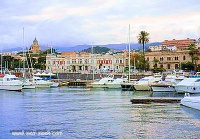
128	85
27	83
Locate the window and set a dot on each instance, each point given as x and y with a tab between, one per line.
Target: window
176	66
168	58
168	66
184	58
176	58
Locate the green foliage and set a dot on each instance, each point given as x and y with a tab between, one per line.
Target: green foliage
193	51
97	50
139	61
143	38
188	66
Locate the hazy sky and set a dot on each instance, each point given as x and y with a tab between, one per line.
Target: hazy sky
73	22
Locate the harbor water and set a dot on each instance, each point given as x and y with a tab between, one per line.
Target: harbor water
70	113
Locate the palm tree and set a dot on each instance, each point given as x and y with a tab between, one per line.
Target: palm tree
192	51
195	58
143	38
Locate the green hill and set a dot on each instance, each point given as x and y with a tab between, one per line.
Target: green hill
97	50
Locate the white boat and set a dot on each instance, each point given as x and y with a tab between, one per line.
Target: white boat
102	82
10	82
128	85
145	83
116	83
54	85
188	85
191	101
28	84
40	83
168	85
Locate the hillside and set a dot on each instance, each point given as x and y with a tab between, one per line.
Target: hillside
96	50
80	48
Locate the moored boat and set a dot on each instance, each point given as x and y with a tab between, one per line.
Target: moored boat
103	81
40	83
145	83
191	101
188	85
10	82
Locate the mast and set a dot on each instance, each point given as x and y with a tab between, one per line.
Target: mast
92	62
23	57
1	58
129	54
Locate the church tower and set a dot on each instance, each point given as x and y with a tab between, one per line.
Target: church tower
35	48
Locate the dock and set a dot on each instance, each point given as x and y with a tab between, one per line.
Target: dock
79	83
148	100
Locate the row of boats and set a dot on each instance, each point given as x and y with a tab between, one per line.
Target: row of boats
12	83
172	82
158	83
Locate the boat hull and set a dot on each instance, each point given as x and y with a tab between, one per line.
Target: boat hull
142	87
127	86
112	86
11	87
187	89
192	102
162	88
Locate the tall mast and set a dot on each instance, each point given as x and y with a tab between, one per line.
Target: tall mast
23	56
1	58
92	62
129	54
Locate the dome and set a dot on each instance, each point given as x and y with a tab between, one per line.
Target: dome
35	40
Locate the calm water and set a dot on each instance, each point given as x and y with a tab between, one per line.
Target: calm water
93	114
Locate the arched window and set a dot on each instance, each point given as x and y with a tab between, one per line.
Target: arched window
168	66
176	66
183	57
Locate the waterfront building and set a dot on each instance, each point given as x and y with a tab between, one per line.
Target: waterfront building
180	44
35	48
162	48
86	62
168	59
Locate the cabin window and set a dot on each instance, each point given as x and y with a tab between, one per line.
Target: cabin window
184	58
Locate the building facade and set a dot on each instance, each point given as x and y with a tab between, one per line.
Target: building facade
180	44
168	59
35	48
86	62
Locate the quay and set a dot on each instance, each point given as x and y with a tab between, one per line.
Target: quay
148	100
79	84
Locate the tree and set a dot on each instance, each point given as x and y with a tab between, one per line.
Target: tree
139	60
192	51
155	61
195	59
143	38
187	66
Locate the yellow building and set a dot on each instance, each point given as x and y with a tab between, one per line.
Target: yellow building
168	59
35	48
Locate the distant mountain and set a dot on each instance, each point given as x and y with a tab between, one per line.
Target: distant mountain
97	50
79	48
121	46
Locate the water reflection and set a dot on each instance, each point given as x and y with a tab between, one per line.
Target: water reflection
95	114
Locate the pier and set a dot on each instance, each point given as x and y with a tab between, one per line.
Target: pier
79	83
155	100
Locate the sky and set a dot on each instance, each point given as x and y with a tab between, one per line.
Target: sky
67	23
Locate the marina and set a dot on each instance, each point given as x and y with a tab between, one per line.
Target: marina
95	113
